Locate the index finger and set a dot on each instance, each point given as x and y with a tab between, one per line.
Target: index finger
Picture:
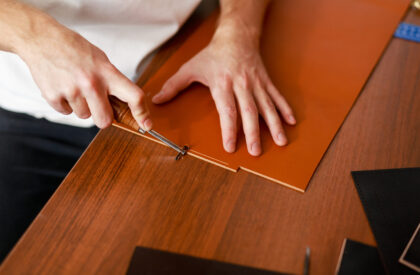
122	88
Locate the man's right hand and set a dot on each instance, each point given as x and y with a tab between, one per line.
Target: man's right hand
72	74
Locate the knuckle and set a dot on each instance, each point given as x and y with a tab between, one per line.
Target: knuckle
53	98
72	94
223	80
268	103
250	109
139	112
229	111
253	73
274	123
251	136
243	81
259	82
56	101
95	91
137	99
88	82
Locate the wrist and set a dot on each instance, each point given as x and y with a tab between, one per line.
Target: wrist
235	30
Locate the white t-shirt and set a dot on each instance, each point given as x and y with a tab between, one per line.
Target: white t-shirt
126	30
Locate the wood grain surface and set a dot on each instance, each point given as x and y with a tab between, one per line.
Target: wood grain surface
127	191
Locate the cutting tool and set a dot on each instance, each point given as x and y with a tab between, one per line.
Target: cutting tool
181	151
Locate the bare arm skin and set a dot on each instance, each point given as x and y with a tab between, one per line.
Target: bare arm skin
72	74
231	66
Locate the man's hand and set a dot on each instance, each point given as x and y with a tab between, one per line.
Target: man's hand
75	76
231	66
72	74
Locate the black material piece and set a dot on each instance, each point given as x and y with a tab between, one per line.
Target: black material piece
360	259
148	261
391	199
412	254
35	156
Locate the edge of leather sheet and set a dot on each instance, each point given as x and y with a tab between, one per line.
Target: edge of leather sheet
190	152
273	179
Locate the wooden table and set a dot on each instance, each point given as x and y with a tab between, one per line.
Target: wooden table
127	191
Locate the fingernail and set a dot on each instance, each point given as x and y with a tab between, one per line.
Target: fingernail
255	149
292	119
230	146
147	124
282	140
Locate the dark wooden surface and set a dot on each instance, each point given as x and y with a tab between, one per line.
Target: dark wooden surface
127	191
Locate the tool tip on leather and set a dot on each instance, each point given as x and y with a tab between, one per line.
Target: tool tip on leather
183	153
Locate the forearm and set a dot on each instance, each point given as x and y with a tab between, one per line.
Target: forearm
21	25
242	19
72	74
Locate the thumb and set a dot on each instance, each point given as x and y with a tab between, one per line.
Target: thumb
178	82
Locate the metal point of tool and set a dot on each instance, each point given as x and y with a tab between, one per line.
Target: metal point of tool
180	155
181	151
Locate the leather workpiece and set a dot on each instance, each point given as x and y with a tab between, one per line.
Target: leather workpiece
318	54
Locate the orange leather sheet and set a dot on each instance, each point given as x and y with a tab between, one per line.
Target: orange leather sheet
319	54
